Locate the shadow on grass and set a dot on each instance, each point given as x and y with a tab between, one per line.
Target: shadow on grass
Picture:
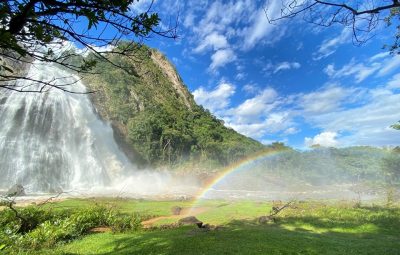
291	235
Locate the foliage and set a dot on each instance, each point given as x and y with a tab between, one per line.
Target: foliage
38	29
306	228
48	227
394	17
324	166
391	167
159	118
396	125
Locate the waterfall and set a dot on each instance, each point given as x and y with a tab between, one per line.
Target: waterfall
54	140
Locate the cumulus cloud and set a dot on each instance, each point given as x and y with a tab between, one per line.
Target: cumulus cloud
214	40
216	99
221	57
253	108
362	116
270	124
324	139
222	27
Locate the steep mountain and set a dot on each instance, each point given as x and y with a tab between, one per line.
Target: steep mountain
155	118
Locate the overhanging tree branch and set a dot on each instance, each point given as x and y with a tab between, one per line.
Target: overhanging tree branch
362	17
32	30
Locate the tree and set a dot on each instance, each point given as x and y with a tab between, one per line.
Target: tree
396	126
32	30
363	17
391	167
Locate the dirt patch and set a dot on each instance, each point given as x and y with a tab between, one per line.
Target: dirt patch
184	212
100	230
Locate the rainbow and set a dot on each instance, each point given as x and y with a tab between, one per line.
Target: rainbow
233	168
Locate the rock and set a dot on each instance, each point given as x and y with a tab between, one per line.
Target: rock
265	219
191	220
176	210
16	191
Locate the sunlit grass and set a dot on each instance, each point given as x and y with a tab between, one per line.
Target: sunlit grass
305	228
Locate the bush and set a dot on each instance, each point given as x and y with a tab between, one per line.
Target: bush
47	227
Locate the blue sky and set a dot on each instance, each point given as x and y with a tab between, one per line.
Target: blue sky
292	82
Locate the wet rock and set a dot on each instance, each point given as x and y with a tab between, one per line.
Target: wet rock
16	191
191	220
176	210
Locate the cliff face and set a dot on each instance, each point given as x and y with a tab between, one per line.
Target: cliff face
156	119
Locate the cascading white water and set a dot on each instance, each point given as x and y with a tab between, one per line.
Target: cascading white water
54	140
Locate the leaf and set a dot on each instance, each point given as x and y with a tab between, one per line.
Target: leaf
2	246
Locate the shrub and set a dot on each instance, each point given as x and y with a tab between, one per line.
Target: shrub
47	227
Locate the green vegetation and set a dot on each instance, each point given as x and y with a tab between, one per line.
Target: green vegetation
157	118
36	227
27	25
396	126
324	166
303	228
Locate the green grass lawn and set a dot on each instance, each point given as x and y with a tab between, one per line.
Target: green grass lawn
306	228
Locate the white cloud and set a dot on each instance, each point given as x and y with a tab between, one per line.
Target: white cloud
256	107
291	131
358	70
220	58
330	70
189	20
379	65
329	46
379	56
240	76
216	99
141	6
223	27
394	83
389	65
272	123
214	41
250	88
324	139
360	115
260	27
286	66
328	99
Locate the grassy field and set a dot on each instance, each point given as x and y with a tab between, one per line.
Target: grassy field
304	228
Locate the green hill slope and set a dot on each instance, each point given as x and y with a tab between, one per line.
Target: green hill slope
156	119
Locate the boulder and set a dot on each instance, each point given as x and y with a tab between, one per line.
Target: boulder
190	220
266	219
176	210
16	191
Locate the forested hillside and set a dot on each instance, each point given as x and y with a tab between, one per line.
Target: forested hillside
155	117
322	166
